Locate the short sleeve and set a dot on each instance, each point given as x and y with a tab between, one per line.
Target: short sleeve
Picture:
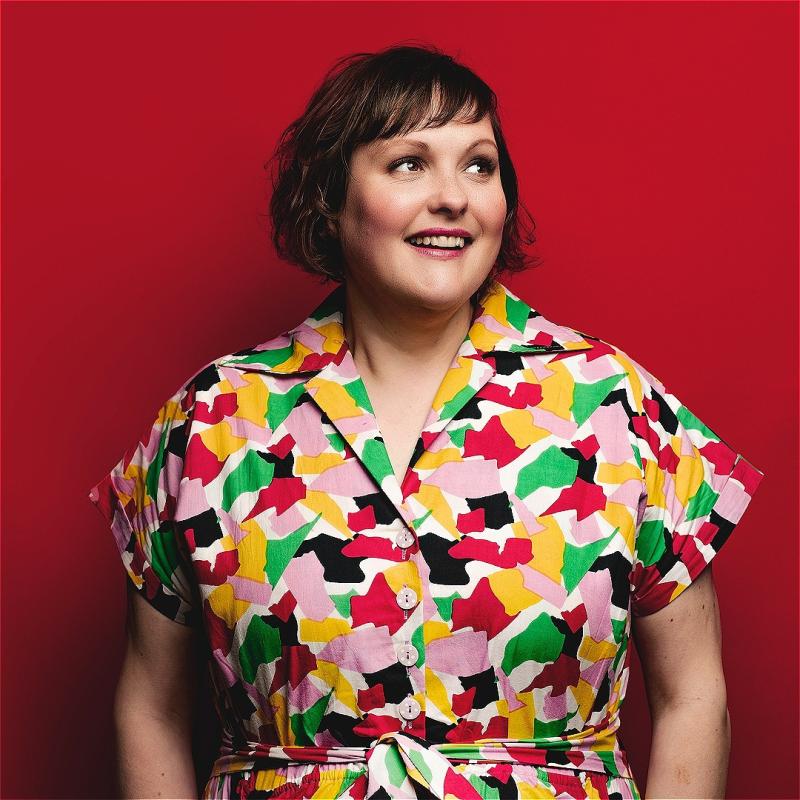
696	488
138	497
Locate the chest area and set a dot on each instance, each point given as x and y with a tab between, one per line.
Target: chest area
520	497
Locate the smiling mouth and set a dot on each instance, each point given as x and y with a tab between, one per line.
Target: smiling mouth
440	242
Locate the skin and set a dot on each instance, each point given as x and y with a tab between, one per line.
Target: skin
680	649
156	693
406	314
405	319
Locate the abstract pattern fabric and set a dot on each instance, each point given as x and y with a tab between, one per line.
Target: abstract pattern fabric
463	633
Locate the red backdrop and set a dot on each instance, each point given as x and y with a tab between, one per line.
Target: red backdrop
655	145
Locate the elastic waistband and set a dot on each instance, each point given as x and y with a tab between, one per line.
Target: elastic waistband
611	762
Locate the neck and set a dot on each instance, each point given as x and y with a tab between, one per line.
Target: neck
387	335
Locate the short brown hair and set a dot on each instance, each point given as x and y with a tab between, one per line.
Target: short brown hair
364	97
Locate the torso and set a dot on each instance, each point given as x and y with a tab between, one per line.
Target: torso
401	414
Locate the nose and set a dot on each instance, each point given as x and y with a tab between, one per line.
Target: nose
448	195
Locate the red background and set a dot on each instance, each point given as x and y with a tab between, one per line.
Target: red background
656	149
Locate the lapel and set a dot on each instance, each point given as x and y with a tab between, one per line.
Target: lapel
317	348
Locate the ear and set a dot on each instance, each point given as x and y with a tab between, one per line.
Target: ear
333	228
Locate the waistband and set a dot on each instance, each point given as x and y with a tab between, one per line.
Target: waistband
428	765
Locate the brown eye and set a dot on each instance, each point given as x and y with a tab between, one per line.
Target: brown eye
487	164
404	161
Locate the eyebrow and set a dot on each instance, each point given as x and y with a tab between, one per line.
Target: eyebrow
426	147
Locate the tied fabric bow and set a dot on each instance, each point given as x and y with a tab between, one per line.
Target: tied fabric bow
401	765
395	759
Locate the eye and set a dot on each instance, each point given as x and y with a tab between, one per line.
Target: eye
488	165
402	162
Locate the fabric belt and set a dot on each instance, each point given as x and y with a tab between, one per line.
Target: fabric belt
427	765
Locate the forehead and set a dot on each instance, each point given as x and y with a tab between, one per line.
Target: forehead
452	134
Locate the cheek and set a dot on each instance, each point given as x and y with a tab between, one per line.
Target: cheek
489	207
493	212
380	212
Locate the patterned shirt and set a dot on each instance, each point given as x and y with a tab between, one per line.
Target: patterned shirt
461	633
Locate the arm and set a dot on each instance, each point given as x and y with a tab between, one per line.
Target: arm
679	647
153	706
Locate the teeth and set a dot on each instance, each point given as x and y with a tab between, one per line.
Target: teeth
438	241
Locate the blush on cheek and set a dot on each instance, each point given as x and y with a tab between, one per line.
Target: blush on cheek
384	214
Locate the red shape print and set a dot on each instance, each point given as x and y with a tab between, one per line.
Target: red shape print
471	521
501	771
462	702
598	349
720	455
707	532
200	462
428	439
465	731
411	483
361	520
584	497
515	551
299	661
377	607
220	636
587	447
281	494
372	547
224	405
284	608
575	618
493	442
686	547
544	339
668	460
369	699
651	408
482	611
645	432
373	725
225	564
455	785
283	447
563	672
525	395
496	729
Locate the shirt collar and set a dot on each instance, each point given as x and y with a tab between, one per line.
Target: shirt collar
501	322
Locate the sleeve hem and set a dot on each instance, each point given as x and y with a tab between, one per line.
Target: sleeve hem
166	601
715	529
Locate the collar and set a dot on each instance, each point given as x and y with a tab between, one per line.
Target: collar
501	322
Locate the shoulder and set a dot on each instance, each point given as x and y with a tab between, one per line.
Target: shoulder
219	370
601	359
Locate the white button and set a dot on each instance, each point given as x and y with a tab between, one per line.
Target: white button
407	655
404	539
406	598
409	708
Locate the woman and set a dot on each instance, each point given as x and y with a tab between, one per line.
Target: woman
417	531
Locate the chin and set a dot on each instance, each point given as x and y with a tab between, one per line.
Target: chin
438	290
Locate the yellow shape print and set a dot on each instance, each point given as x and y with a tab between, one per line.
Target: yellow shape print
316	465
454	381
220	441
508	587
334	398
252	399
519	425
548	549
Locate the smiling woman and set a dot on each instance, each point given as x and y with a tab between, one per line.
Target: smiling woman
414	531
376	117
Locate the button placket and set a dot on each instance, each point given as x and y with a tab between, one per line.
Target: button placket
409	709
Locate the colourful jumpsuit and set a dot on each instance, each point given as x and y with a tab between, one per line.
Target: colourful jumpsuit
463	633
